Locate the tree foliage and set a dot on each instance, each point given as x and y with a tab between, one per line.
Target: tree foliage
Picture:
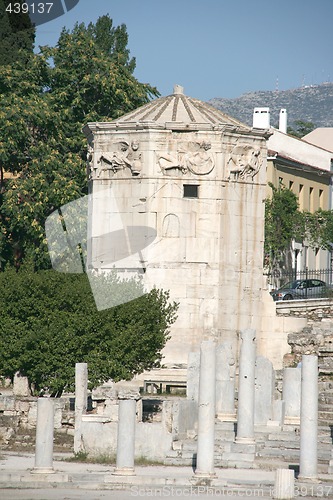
53	323
301	128
319	229
283	222
43	107
17	35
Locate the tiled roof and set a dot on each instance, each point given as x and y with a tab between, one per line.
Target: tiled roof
177	111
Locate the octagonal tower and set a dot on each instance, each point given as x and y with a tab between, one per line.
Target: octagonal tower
197	178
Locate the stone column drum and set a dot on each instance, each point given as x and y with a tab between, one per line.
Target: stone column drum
284	486
44	437
126	437
246	387
206	410
309	418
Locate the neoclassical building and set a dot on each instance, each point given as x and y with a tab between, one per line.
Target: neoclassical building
177	190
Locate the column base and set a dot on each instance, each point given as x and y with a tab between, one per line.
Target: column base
308	479
244	440
205	475
292	420
226	417
42	470
124	471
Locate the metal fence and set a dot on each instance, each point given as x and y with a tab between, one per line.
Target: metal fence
318	274
279	277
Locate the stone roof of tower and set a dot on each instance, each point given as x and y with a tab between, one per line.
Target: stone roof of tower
177	112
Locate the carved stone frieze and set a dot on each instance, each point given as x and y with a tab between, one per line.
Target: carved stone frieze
244	162
194	157
124	158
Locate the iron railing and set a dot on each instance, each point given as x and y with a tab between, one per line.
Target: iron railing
279	277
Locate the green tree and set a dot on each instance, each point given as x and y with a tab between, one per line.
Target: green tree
319	229
17	34
43	107
53	323
301	128
112	41
47	175
283	222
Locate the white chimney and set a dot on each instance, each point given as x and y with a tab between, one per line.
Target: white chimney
283	121
261	118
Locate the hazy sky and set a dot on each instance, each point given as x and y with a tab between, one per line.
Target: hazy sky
217	48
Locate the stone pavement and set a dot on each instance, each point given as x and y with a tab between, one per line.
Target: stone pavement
72	480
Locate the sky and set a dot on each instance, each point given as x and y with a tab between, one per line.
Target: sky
217	48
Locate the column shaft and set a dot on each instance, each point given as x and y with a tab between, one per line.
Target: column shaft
44	436
206	410
81	383
309	417
246	387
126	437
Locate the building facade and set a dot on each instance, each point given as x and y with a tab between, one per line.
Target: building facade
305	169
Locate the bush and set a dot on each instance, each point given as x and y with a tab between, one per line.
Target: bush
49	322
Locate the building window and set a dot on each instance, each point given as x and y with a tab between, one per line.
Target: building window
191	191
300	197
291	185
321	198
311	199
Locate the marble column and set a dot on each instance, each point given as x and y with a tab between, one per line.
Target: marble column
81	388
309	418
126	437
246	387
206	410
44	437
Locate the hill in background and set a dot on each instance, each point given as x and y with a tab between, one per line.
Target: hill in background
311	104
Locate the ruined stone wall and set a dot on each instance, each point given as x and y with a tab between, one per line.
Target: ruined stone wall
317	338
312	309
18	416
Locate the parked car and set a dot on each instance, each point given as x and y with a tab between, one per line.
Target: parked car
302	289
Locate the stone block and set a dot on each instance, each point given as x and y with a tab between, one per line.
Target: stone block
193	368
242	448
22	406
241	457
184	417
32	415
225	379
201	291
204	227
177	445
291	392
279	410
202	250
264	390
7	403
21	385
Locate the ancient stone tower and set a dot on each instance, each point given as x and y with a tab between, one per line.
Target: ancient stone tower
195	178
